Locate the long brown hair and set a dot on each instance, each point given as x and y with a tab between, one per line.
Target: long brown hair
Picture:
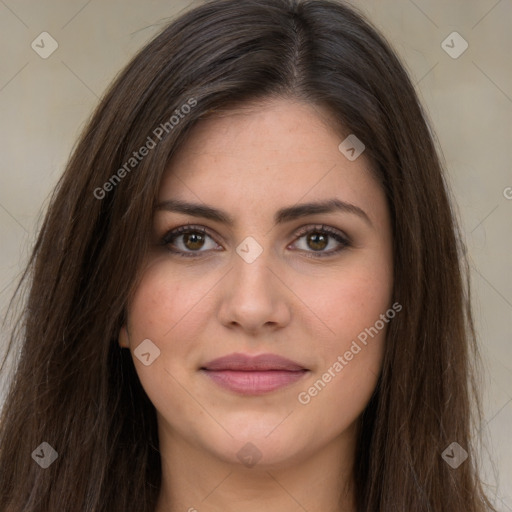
77	390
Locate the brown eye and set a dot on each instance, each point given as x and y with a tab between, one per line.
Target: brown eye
317	241
318	238
193	241
188	241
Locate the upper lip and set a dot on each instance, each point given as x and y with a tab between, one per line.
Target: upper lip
245	362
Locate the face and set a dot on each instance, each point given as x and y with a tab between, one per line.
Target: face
313	287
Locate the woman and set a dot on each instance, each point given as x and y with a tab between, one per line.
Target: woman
249	290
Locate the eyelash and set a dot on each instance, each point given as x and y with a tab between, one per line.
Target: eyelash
320	229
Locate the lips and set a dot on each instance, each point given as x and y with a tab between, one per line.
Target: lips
243	362
253	375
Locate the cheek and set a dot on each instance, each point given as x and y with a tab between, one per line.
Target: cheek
355	347
352	307
165	303
351	359
346	304
167	309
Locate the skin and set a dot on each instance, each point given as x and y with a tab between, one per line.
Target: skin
250	163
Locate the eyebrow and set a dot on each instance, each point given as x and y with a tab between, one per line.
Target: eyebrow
283	215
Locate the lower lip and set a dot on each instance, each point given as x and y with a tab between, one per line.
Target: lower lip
254	382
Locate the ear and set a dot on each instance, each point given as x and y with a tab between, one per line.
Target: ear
123	339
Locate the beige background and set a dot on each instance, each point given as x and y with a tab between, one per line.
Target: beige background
44	104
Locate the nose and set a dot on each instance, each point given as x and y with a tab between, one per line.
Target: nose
253	298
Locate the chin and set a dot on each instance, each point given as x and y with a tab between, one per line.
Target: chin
257	450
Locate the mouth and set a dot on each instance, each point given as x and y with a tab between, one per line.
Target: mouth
253	375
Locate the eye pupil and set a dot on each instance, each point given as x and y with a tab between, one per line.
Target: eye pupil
193	238
315	237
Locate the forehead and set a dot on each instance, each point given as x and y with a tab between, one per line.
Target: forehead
279	152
